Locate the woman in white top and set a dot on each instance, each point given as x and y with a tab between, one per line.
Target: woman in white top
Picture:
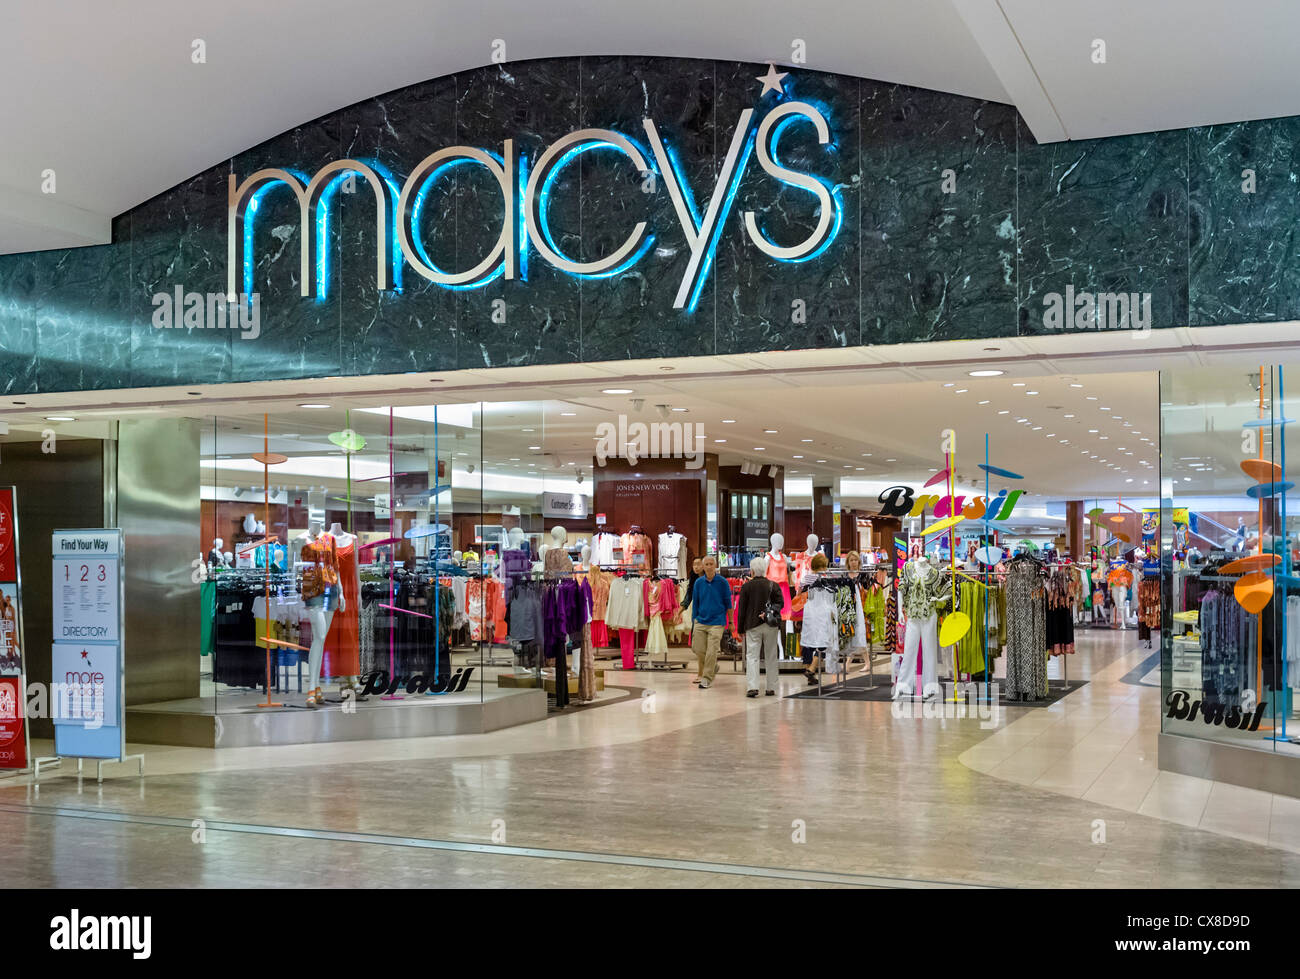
818	635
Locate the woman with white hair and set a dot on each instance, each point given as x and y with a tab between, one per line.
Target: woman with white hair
760	603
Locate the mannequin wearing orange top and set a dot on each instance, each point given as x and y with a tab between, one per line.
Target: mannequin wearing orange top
803	561
778	571
322	594
343	641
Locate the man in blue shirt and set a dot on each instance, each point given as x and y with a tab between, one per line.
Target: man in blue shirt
710	603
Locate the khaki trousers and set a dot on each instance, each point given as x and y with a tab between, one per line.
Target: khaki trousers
706	640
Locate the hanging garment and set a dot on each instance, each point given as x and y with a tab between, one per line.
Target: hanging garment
970	647
626	604
1026	645
343	641
602	549
1060	616
1148	607
671	549
848	618
818	614
636	549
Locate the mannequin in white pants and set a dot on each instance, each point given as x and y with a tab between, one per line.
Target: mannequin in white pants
922	592
923	633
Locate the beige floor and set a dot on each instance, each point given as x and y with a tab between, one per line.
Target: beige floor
1099	745
739	792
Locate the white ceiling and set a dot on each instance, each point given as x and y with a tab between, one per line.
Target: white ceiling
106	95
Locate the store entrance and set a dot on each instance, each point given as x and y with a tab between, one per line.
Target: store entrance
375	564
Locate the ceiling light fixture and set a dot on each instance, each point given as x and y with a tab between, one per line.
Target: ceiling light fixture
986	373
615	390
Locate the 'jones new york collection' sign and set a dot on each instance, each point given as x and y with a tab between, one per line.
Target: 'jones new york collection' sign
526	187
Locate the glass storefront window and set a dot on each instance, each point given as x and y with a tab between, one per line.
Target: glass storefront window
1228	550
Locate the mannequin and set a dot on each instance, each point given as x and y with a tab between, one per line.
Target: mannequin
555	555
585	557
923	591
803	560
322	595
216	557
344	637
557	563
778	571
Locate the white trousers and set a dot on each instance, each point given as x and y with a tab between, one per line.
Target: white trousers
766	640
923	633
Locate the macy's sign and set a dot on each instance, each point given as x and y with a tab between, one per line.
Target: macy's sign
526	191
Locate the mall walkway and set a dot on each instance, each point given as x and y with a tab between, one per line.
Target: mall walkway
623	795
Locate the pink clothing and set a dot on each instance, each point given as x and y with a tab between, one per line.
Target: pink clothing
778	568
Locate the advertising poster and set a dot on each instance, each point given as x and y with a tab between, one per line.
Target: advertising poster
14	750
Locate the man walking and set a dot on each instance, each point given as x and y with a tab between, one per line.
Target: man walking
759	637
710	603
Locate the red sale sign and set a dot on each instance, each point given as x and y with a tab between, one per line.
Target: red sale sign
13	740
13	671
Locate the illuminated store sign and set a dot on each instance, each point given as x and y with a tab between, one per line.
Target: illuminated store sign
526	192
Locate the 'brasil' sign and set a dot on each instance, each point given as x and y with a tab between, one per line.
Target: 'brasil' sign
526	188
903	501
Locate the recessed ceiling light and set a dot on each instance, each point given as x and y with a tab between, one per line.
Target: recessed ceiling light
535	448
821	460
1105	438
719	441
615	390
1091	397
570	414
1093	431
847	466
728	421
514	459
1069	416
796	457
805	440
1004	411
1037	428
1076	385
681	409
983	402
759	448
1129	480
986	373
1187	479
1018	384
949	384
860	469
525	429
59	418
891	460
769	431
1031	392
866	455
313	406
